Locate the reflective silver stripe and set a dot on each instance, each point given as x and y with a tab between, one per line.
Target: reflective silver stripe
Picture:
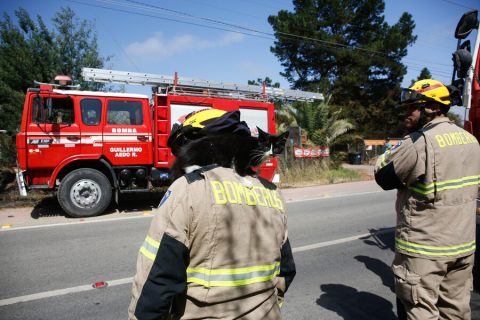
445	185
232	277
150	248
434	251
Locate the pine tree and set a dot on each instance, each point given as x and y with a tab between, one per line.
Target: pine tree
347	50
424	74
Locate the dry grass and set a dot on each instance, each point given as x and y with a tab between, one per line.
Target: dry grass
314	172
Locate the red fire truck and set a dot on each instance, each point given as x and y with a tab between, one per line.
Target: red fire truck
466	69
92	146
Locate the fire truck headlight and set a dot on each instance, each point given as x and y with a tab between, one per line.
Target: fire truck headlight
125	177
140	176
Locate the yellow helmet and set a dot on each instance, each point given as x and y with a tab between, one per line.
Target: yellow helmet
199	119
427	90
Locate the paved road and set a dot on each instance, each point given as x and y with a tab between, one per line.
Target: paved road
343	245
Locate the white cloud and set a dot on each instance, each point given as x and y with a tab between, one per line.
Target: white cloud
159	47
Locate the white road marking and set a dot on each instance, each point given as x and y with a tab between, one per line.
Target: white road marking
77	222
327	196
113	283
60	292
338	241
12	228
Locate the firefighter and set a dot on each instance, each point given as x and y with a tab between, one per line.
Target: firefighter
435	170
216	248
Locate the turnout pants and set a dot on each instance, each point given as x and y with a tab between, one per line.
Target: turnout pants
434	289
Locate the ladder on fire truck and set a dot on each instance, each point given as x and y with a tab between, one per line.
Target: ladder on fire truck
187	86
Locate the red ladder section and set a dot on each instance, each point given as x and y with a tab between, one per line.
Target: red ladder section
161	117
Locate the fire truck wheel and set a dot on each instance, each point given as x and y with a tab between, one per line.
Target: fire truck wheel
84	193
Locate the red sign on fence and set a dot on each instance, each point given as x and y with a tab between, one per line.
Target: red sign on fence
313	152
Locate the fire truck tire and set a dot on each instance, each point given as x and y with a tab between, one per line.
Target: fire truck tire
84	193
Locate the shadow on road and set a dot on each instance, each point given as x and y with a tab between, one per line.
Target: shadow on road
351	304
380	268
145	201
47	207
383	238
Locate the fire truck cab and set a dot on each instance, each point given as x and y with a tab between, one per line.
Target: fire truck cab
77	143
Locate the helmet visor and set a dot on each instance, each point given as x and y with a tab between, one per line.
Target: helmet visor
409	96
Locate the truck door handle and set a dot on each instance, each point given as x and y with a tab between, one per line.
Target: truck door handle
73	138
142	138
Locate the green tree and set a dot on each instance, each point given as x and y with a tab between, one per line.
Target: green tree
26	54
30	51
347	50
76	46
285	115
325	124
267	80
424	74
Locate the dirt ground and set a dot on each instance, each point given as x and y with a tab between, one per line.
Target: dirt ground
366	171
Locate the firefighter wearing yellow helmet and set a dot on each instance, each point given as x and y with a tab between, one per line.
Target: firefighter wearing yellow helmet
436	170
218	245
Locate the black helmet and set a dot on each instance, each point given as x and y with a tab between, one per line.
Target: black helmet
203	123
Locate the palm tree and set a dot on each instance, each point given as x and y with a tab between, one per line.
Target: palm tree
285	115
325	124
333	129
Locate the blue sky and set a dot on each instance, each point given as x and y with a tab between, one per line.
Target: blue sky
153	41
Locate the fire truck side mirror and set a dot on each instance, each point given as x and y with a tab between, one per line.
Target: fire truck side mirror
462	60
467	24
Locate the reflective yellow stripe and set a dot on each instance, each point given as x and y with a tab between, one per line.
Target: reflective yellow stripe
233	277
384	156
445	185
231	283
434	251
147	254
236	270
152	242
150	248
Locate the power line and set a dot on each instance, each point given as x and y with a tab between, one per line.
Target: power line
457	4
169	19
256	33
328	44
243	13
133	4
196	17
331	43
130	60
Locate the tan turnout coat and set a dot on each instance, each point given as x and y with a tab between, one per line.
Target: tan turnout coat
217	248
436	171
